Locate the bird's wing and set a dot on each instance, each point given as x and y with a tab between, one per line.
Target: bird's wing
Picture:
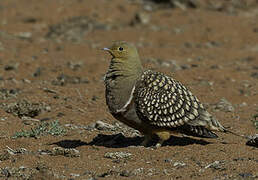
164	102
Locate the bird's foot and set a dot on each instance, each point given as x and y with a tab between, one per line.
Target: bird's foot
159	144
163	136
147	139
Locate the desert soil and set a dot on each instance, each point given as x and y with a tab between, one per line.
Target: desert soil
54	122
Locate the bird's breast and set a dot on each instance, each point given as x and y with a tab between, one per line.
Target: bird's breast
118	92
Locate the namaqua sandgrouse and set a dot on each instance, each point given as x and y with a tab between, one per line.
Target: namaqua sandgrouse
151	102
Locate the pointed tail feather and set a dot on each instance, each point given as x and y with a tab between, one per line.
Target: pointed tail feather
197	131
239	135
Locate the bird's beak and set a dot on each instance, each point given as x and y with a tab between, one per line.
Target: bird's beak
106	49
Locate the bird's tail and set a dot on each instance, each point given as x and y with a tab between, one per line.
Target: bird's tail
213	124
236	134
219	127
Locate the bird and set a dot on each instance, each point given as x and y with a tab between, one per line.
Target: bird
151	102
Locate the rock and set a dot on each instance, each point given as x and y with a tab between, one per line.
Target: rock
126	173
224	105
215	165
168	160
141	18
104	126
17	151
8	93
179	164
37	72
254	75
74	29
74	65
212	44
117	155
1	46
23	108
11	66
137	171
24	35
68	152
255	30
4	156
74	175
243	104
246	175
63	79
253	141
175	66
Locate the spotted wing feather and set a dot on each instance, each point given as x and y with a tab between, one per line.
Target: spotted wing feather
164	102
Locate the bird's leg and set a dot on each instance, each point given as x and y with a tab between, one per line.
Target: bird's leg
147	139
163	136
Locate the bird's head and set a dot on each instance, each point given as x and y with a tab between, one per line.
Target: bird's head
122	50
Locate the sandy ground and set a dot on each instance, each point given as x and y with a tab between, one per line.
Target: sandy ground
54	123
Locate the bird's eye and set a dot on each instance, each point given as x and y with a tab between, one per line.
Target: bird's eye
120	49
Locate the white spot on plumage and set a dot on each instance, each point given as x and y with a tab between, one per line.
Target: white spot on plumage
187	107
162	100
177	116
182	111
201	106
159	112
191	116
176	123
149	104
195	112
181	122
195	104
192	98
156	117
165	111
170	110
145	100
186	119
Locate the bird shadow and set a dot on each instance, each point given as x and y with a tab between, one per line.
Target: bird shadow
70	143
120	141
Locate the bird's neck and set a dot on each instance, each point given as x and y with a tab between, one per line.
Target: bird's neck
121	78
126	68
